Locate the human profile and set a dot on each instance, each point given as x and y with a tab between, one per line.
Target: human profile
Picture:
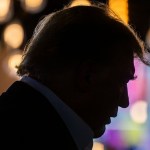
75	71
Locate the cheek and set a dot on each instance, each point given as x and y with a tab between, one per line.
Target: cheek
108	94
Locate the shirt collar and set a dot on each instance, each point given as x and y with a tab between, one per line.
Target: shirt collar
80	131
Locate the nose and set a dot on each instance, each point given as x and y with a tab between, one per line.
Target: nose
124	99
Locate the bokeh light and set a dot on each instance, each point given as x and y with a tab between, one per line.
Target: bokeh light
98	146
138	112
5	8
138	84
120	7
80	2
132	137
13	61
14	35
33	6
10	63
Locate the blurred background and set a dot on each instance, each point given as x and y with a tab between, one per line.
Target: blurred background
18	18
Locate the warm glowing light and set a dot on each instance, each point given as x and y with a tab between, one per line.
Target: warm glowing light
13	61
120	7
98	146
80	2
14	35
4	9
138	112
34	5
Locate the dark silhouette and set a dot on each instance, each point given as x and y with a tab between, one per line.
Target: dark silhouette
75	71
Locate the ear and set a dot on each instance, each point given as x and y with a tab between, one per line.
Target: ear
87	76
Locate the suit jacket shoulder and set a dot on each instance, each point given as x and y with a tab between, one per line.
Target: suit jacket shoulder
28	120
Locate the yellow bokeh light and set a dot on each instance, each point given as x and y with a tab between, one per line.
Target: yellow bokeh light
4	9
33	6
33	3
133	137
138	112
14	35
14	61
80	2
98	146
120	7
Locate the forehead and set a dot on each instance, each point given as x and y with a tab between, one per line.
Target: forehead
123	55
124	69
123	65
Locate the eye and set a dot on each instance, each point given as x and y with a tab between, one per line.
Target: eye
129	78
134	77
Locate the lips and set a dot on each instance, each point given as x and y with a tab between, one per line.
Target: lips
114	113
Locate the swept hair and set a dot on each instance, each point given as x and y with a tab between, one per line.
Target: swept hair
78	33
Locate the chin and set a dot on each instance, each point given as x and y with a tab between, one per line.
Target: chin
98	133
